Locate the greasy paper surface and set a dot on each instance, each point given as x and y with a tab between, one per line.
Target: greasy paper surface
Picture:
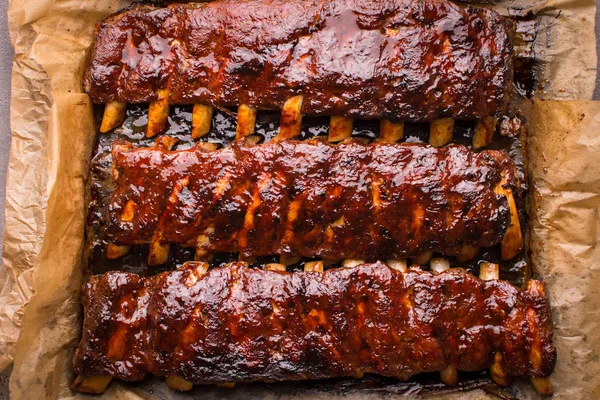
565	46
565	205
53	131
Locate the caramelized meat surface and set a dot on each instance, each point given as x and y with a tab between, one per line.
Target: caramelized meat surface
311	198
413	60
240	324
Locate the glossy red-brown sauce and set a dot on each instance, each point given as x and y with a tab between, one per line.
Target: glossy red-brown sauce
413	60
244	324
312	198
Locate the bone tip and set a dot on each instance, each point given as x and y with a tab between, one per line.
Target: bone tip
450	375
500	378
178	383
340	128
154	260
489	271
439	264
497	372
441	131
106	127
199	266
313	266
201	120
165	142
275	267
536	287
159	253
114	113
484	132
511	251
152	130
352	262
95	384
115	251
542	385
397	264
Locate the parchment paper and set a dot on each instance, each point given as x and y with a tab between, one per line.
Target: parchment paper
53	131
564	155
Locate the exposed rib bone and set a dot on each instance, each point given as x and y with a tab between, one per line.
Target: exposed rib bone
391	132
488	272
201	120
199	268
114	251
450	375
114	113
274	267
484	132
352	262
340	128
329	232
499	375
398	265
439	264
177	383
159	252
313	266
440	131
246	121
158	114
165	142
207	146
292	217
91	384
291	118
512	242
541	384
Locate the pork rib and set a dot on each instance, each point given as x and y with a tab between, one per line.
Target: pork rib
313	199
400	60
237	324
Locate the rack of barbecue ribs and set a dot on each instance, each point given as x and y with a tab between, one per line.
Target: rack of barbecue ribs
395	61
313	199
240	324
